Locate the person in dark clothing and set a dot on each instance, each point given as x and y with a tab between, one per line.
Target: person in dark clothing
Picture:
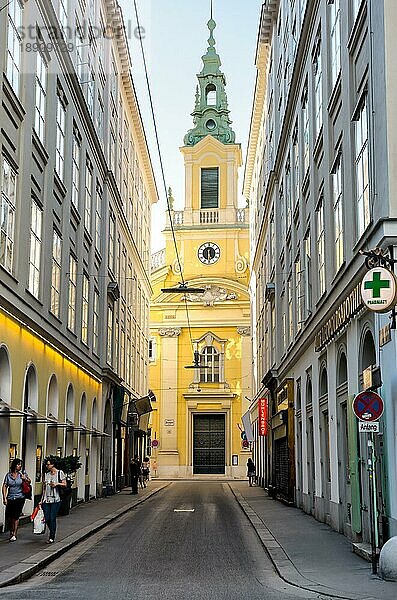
250	471
135	471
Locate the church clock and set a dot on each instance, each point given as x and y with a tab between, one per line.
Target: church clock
209	253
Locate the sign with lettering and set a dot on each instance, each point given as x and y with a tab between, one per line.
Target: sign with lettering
262	412
379	289
365	427
169	422
347	309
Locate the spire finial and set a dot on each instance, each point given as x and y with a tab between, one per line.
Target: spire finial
211	9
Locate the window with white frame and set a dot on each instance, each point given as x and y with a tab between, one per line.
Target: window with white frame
84	309
288	192
152	350
60	138
99	117
334	23
91	93
8	185
296	164
337	193
290	310
109	351
36	223
88	196
355	8
318	89
320	244
95	322
72	293
306	125
361	167
14	44
273	332
98	217
80	47
209	365
56	273
308	272
63	14
299	293
112	233
41	90
76	151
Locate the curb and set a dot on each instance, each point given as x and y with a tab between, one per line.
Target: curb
285	568
32	564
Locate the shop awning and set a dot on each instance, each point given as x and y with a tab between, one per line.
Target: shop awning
6	410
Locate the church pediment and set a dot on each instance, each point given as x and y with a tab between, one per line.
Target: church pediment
213	294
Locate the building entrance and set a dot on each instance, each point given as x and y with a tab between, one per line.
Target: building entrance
208	444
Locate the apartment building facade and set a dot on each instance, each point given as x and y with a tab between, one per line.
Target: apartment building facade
76	193
320	182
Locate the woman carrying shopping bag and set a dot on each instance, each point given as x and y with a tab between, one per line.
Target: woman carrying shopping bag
14	495
51	500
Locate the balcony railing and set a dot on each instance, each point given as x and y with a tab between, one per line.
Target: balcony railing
158	259
209	216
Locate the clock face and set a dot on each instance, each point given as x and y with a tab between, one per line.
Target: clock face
209	253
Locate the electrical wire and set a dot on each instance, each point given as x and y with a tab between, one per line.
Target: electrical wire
162	167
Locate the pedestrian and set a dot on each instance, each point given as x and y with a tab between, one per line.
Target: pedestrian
250	471
145	470
51	501
140	476
134	475
13	496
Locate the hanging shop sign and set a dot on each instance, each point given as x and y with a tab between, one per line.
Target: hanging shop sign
262	413
368	406
379	289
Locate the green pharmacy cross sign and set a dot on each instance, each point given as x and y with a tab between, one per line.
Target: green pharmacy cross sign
379	289
377	284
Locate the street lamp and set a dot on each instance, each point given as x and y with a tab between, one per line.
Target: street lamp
183	288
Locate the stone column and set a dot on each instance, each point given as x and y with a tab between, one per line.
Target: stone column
168	451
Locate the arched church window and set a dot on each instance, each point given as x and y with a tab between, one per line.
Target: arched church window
210	95
209	365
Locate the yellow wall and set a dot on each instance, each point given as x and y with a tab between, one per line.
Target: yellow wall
174	349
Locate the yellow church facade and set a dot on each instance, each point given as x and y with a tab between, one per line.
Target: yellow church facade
200	343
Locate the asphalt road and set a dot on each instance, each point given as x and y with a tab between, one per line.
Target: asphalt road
190	542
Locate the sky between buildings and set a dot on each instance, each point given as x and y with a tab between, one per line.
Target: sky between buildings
175	38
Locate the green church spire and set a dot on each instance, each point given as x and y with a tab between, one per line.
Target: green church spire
211	113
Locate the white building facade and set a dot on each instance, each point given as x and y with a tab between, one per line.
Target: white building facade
76	193
320	179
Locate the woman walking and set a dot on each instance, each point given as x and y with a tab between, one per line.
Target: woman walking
13	497
250	471
51	500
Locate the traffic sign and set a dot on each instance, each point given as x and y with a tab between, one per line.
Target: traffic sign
368	406
379	289
155	443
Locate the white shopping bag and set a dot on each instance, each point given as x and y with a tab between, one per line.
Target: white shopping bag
39	522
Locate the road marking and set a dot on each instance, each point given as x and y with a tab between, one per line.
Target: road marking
183	509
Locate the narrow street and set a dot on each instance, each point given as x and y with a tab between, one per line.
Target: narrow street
211	551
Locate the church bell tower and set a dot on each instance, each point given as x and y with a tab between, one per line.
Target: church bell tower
197	420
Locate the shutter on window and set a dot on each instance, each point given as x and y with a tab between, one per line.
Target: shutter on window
209	188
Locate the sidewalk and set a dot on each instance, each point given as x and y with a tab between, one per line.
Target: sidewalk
21	559
307	553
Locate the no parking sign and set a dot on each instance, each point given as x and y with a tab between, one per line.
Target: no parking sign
368	406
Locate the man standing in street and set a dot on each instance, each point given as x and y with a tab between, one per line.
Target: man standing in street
134	475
